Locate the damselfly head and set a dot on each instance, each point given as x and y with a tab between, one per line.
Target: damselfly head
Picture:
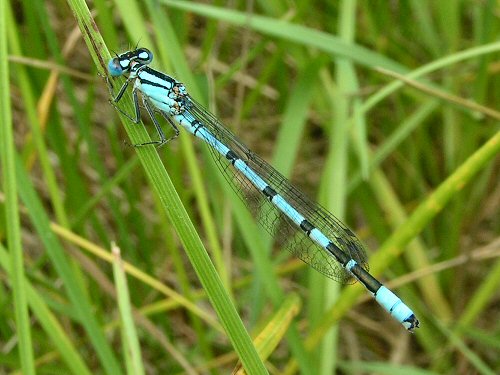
122	63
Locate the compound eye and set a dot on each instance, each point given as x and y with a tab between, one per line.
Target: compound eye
144	55
117	67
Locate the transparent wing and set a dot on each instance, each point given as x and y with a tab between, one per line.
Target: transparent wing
286	233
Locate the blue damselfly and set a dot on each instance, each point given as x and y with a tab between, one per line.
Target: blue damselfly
308	230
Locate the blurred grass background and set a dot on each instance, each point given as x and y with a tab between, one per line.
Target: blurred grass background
315	88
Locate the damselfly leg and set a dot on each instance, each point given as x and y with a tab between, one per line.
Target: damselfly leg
136	118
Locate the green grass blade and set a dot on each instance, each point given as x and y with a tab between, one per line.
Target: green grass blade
162	185
50	325
132	351
64	268
481	298
295	33
435	65
299	84
425	212
12	221
475	360
395	244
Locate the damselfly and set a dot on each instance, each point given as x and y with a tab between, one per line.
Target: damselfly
308	230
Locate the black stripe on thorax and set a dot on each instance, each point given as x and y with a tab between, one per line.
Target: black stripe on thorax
159	75
151	83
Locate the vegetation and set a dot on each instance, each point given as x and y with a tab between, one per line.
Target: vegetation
117	259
